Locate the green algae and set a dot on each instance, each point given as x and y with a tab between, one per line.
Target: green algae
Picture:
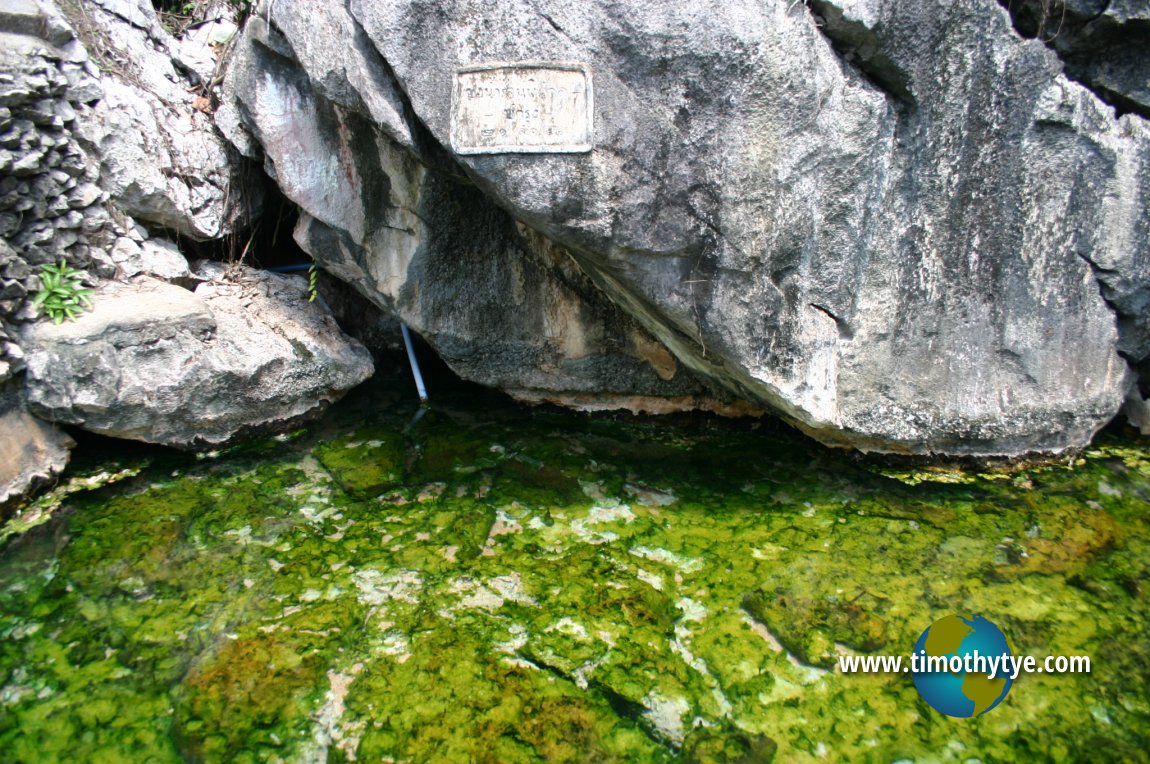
523	585
366	463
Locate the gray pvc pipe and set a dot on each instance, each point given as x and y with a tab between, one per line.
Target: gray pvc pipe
414	364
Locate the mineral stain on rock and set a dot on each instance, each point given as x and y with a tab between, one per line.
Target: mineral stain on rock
508	584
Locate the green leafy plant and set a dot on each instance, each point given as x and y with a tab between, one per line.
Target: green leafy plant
62	292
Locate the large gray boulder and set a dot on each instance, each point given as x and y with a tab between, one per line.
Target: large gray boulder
502	305
898	224
154	362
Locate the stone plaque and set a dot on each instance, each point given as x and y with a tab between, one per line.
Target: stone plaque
525	108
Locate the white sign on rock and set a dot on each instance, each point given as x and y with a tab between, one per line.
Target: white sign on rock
525	108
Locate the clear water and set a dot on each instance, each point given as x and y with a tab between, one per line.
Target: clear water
506	584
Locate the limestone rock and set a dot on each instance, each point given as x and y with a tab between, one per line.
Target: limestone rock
1103	44
31	451
161	157
897	224
154	362
501	305
361	318
154	257
879	224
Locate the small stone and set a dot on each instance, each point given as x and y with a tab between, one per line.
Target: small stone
83	88
14	93
104	270
65	239
28	164
94	221
11	288
16	269
44	186
41	113
72	165
64	111
72	219
84	196
38	233
125	249
13	351
27	313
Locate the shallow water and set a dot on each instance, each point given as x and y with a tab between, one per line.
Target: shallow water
507	584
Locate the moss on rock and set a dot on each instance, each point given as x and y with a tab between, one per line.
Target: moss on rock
531	586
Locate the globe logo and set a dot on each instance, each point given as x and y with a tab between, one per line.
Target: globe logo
960	665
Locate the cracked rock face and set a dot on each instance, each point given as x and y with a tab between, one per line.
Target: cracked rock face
1103	44
898	224
155	362
161	158
386	211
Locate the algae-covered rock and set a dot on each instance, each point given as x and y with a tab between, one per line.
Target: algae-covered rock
1063	537
810	628
366	465
705	746
249	696
617	604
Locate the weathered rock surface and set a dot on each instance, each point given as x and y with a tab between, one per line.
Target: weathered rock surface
50	206
894	255
83	90
157	363
151	256
500	304
1102	42
31	451
359	317
161	157
897	224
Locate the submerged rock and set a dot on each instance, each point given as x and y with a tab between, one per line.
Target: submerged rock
157	363
319	600
900	226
